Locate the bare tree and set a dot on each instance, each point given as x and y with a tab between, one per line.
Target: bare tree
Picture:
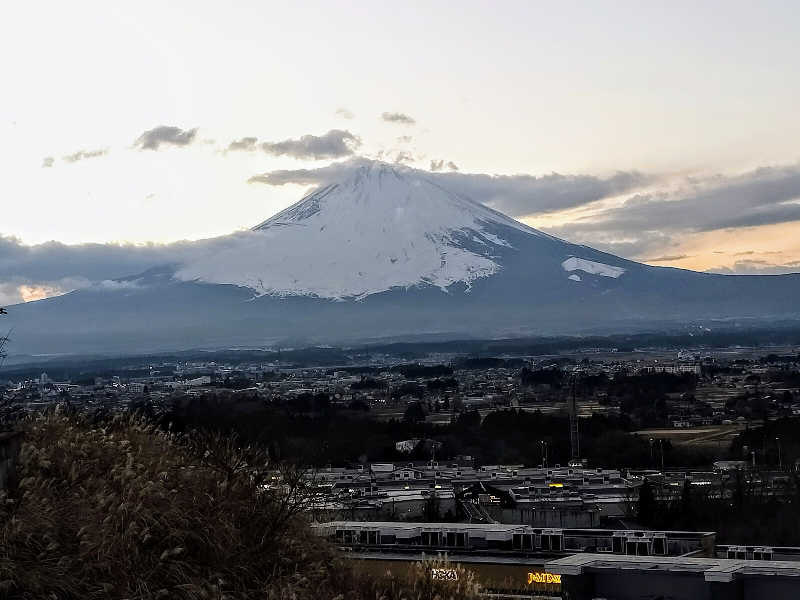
283	491
8	411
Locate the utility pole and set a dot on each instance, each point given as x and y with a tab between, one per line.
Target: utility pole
3	340
780	458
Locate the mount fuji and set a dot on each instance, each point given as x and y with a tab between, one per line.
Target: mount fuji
384	253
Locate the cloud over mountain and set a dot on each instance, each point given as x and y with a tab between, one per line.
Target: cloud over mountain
334	144
515	195
440	165
61	267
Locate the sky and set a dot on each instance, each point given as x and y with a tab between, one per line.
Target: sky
665	132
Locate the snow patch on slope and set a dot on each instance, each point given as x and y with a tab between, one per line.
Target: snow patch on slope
382	228
593	268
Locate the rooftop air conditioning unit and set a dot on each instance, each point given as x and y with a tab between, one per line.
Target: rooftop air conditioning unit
762	553
737	552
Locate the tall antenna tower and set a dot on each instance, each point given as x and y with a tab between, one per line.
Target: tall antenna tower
574	434
3	340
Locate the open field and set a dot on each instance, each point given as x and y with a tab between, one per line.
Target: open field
714	436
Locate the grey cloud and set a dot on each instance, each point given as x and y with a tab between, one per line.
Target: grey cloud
641	244
403	157
344	113
51	261
165	134
247	144
319	176
14	290
47	162
334	144
515	195
284	176
404	139
668	258
10	293
764	196
62	267
757	267
84	154
397	117
522	195
440	165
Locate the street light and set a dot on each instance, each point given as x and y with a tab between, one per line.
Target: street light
780	458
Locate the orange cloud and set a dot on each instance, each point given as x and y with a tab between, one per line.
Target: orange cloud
771	244
30	293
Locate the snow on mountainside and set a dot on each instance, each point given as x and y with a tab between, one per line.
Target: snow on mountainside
384	227
589	266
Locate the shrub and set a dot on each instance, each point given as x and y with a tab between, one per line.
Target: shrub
119	509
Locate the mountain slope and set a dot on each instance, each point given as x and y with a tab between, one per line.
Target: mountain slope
388	253
380	229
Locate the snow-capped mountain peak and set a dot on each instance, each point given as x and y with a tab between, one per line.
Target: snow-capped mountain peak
381	228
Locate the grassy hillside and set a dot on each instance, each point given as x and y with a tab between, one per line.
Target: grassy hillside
117	509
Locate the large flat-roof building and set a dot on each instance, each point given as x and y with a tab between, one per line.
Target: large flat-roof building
590	576
515	540
576	564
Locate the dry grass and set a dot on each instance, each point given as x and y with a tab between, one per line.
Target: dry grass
122	510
